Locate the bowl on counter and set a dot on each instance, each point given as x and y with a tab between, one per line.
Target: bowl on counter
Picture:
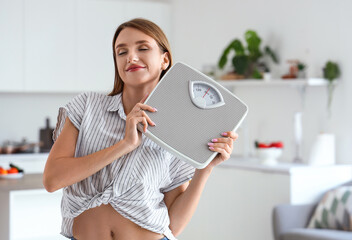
269	156
11	176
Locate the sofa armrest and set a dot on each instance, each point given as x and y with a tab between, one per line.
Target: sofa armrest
286	217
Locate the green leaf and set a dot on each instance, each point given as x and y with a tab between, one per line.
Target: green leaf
238	47
331	71
235	44
256	74
240	63
222	61
253	42
271	54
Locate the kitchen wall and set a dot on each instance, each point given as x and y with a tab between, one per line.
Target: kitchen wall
312	31
22	115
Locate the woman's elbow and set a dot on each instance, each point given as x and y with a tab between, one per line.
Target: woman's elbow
49	183
176	230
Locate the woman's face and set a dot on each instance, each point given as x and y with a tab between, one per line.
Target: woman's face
139	59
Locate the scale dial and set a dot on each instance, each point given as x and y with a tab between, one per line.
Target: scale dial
205	95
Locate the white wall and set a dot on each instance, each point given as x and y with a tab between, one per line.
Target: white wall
313	31
22	115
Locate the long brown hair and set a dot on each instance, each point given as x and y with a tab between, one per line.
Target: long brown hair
152	30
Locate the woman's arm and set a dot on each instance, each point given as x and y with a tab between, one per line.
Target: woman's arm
183	201
63	169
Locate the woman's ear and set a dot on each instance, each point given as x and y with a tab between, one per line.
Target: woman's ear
166	61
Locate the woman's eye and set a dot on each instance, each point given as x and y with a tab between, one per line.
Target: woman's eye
143	49
121	53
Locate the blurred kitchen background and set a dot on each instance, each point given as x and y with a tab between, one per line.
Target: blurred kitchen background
52	50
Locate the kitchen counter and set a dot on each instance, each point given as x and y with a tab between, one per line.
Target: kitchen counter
286	168
27	182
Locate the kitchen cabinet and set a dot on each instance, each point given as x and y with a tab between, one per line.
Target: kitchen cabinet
65	45
12	45
49	45
239	196
96	25
28	211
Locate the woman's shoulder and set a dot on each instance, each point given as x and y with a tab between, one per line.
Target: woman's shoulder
91	97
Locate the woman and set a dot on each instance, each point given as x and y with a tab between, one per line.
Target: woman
117	183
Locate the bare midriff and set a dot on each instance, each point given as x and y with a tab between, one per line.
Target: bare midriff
105	223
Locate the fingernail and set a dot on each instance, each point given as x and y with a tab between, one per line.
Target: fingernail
153	123
214	140
224	133
211	148
155	109
210	144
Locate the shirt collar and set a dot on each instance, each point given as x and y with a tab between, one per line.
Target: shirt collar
116	105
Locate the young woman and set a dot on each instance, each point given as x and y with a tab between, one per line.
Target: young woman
118	184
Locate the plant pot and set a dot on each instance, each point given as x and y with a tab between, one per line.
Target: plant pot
267	76
301	74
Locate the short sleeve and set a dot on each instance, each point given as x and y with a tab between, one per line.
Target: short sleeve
179	173
74	110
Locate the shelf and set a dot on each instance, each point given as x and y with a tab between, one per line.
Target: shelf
274	82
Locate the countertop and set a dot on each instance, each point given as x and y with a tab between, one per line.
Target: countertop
27	182
286	168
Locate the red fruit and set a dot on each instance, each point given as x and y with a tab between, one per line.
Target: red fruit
277	144
263	145
12	170
3	171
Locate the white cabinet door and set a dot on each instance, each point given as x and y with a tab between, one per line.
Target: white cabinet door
96	25
235	202
50	60
11	45
35	214
65	45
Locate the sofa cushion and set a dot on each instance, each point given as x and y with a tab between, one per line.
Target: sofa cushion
316	234
334	211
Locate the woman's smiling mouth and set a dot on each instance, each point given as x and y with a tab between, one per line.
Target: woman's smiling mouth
134	68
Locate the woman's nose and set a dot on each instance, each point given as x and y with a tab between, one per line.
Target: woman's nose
132	57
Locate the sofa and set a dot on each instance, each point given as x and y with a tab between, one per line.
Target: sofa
290	223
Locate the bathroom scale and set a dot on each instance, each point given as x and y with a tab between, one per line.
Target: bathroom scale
192	110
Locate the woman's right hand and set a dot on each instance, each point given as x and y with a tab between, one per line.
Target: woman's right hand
137	115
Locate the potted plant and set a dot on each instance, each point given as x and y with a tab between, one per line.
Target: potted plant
301	70
331	72
247	60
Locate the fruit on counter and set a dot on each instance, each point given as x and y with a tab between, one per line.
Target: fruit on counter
14	166
12	170
277	144
3	171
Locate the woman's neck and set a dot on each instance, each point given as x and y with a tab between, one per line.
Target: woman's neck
132	96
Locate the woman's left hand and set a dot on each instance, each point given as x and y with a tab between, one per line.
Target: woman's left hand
224	146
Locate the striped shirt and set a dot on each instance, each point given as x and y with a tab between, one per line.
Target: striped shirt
134	184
